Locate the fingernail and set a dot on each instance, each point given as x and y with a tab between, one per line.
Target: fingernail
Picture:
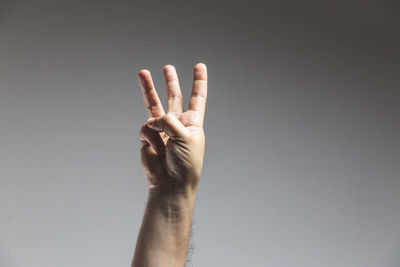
151	121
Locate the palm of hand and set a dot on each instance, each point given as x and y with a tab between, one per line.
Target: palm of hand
172	144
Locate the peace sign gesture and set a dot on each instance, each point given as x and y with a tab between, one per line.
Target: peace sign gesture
172	143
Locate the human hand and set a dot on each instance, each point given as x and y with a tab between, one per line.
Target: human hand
172	144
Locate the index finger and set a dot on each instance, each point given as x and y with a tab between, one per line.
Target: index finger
151	100
198	98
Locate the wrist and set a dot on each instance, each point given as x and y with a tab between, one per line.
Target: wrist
172	204
166	186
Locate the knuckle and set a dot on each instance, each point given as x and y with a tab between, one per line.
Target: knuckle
173	83
143	130
153	108
201	95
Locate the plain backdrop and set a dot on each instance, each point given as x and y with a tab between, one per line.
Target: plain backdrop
302	163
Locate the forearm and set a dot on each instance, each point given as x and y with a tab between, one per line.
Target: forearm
164	234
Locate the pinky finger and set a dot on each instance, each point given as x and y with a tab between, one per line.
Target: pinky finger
151	137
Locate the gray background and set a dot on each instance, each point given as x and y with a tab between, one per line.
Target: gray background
302	129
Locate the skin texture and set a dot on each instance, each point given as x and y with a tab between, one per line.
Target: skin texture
172	152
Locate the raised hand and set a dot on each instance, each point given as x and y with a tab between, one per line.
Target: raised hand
172	144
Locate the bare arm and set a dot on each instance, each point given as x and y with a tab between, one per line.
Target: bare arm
164	235
172	151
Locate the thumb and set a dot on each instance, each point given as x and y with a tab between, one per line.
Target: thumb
168	124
